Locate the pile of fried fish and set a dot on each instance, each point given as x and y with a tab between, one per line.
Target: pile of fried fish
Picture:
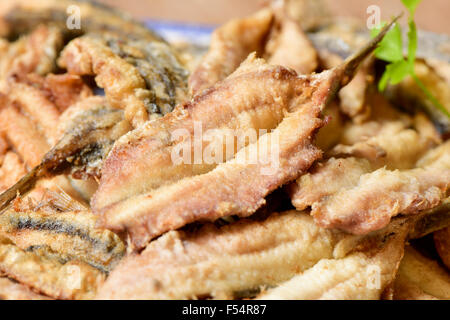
93	206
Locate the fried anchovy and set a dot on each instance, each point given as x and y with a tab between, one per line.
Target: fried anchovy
236	187
222	262
145	78
70	235
241	258
50	276
21	16
351	277
11	290
81	150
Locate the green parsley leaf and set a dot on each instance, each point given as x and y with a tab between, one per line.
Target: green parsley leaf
395	73
391	50
391	47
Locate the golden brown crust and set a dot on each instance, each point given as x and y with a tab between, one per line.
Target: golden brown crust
23	136
230	46
11	170
144	79
221	262
34	53
142	160
359	276
381	195
71	280
11	290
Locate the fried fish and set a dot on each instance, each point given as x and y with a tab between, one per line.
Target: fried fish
21	16
144	78
236	187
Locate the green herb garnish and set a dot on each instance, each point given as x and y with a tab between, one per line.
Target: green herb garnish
391	50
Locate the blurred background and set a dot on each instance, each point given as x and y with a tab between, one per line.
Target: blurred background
432	15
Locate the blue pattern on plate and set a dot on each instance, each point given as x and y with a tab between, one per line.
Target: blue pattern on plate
174	31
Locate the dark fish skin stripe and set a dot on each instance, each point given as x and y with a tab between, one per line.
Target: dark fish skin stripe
101	253
159	66
55	226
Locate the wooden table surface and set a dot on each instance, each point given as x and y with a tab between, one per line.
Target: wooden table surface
432	15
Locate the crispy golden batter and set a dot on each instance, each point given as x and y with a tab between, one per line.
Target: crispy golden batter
142	160
34	103
63	90
230	46
11	170
392	149
288	45
142	78
360	275
270	33
330	135
239	186
384	118
326	179
240	259
34	53
382	194
353	96
91	128
222	262
11	290
233	188
23	135
40	270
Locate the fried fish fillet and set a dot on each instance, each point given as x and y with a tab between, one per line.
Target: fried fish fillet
144	78
384	118
258	97
63	90
325	179
360	275
240	259
11	170
11	290
238	186
289	46
33	53
87	140
221	262
23	135
233	188
394	148
21	16
71	235
382	194
271	33
71	280
35	103
230	46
